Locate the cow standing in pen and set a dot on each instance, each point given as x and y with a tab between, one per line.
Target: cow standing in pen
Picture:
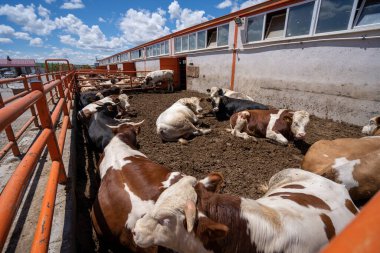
130	185
157	77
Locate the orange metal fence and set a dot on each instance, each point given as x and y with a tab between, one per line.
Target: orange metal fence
362	235
35	96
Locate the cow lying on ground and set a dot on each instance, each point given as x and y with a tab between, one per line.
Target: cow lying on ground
122	102
373	127
177	122
216	93
353	162
278	125
227	106
130	185
157	77
92	96
301	212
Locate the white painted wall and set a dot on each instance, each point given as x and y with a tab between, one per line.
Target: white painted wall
336	79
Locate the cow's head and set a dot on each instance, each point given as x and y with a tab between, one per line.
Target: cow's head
194	103
127	132
215	94
373	127
174	222
299	121
122	102
108	109
147	80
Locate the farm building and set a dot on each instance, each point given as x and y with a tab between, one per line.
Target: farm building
18	66
321	56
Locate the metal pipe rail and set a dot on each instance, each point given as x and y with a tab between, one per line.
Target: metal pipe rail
14	190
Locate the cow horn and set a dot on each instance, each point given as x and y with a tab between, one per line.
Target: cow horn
190	211
136	124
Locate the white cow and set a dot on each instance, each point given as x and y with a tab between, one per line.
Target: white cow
177	122
121	100
300	213
155	77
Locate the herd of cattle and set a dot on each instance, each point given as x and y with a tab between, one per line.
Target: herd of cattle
143	206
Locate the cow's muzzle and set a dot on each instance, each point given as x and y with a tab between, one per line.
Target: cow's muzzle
215	109
300	136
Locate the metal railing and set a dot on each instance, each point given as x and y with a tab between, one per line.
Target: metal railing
61	85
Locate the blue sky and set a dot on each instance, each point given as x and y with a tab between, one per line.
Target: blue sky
81	30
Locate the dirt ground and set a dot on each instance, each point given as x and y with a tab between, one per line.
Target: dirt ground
245	164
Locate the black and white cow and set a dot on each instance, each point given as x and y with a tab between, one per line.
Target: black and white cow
228	106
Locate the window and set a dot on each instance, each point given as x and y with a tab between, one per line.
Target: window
223	35
192	41
185	43
201	39
166	47
275	24
136	54
369	13
334	15
177	44
299	19
211	37
255	28
162	47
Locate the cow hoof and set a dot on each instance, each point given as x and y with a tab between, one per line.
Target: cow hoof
206	131
183	141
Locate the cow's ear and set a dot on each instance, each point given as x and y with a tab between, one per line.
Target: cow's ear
211	230
213	182
288	119
201	99
208	90
377	120
208	99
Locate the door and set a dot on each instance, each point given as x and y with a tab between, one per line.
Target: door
182	72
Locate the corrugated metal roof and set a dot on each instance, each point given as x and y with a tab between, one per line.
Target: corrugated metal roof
17	63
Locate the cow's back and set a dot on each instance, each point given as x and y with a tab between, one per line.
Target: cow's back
352	162
124	195
229	106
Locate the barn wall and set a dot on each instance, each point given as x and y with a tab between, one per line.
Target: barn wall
336	79
214	70
153	64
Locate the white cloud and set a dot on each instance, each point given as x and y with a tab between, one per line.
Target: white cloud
142	26
88	37
10	32
36	42
72	4
26	17
185	17
101	20
5	40
76	57
6	30
224	4
22	36
49	1
43	12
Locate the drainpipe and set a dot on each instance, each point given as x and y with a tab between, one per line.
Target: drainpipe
234	57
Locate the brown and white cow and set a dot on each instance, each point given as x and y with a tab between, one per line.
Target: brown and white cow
278	125
130	185
353	162
301	212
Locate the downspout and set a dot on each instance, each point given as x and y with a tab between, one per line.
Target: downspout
234	58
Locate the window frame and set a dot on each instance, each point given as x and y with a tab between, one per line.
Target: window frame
217	34
356	20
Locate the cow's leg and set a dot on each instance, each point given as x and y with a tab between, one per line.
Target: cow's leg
170	86
240	129
196	131
276	137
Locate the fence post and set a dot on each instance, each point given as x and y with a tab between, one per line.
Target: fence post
10	134
32	109
46	122
62	96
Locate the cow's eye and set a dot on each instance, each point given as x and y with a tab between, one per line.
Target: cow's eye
164	222
372	122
